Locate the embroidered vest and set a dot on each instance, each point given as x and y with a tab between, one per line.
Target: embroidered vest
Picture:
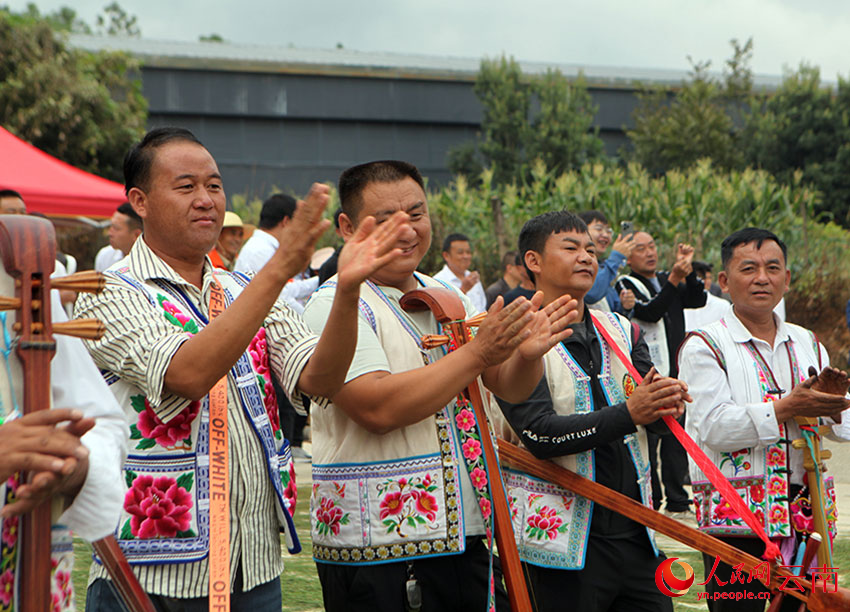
552	524
601	305
655	334
172	460
379	498
760	474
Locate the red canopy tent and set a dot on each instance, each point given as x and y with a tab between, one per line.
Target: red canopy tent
53	187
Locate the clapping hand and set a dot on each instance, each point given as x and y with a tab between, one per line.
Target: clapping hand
371	247
52	452
550	325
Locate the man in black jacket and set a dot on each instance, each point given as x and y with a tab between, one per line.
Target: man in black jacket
659	310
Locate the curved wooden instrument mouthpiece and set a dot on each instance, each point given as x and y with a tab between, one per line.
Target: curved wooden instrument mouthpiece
444	303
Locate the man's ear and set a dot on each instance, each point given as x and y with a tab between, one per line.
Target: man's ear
346	226
723	281
139	201
534	262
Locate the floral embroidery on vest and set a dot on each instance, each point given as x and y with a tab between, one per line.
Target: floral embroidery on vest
150	430
407	502
158	507
260	358
174	316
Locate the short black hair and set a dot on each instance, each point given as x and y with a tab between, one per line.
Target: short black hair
10	193
337	213
275	209
746	236
353	181
508	259
139	159
133	218
589	216
701	267
536	232
455	237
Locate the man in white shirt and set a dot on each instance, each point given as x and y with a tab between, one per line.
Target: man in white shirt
276	213
748	374
124	229
457	254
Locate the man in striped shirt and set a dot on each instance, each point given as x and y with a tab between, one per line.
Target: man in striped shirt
163	353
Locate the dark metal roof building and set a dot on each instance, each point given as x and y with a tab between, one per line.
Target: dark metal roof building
281	117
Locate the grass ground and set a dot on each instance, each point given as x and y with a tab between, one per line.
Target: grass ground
302	591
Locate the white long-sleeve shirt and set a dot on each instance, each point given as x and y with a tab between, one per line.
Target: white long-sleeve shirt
714	419
476	294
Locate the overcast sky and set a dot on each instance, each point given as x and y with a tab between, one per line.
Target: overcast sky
645	34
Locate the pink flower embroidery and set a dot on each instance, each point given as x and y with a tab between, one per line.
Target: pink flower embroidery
391	504
169	434
775	456
158	507
10	531
465	420
7	587
546	520
484	504
472	449
724	511
329	515
479	478
757	493
776	486
778	514
258	350
290	493
426	504
63	591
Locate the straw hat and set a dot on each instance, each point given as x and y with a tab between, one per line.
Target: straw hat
231	219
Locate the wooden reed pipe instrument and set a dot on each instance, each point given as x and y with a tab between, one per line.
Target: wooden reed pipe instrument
448	310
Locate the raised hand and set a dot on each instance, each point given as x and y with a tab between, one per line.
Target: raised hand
503	330
627	299
469	281
371	247
550	325
624	244
683	266
303	231
657	396
53	453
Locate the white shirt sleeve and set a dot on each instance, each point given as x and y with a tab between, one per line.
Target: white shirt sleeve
254	255
714	419
76	383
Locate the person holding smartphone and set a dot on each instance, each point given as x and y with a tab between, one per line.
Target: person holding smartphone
603	296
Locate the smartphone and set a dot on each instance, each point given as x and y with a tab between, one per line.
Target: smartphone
627	227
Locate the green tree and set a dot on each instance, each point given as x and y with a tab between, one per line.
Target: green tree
505	96
701	119
558	131
805	126
116	22
561	133
84	108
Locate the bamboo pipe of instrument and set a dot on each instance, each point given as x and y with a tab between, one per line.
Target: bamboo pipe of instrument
89	329
85	282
